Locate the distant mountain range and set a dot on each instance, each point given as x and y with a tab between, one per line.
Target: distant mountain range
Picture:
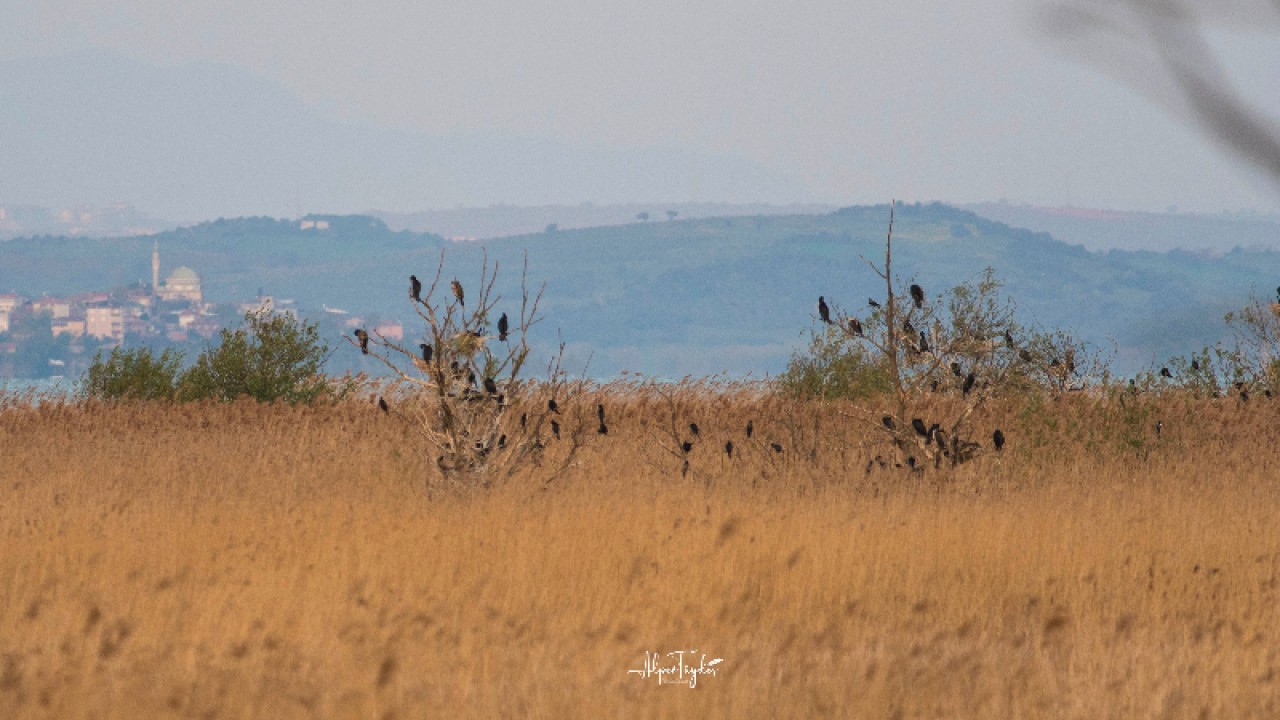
700	296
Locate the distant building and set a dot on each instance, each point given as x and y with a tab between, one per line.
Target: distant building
56	307
105	322
313	225
182	284
8	303
68	326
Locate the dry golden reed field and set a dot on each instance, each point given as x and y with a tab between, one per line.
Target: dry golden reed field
254	561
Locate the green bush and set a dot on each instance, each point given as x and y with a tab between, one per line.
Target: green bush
271	357
134	374
831	367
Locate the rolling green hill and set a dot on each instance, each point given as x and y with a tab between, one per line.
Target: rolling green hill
687	297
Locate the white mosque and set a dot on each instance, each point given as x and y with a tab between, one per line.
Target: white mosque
182	284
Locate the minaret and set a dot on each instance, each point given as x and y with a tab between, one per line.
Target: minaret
155	267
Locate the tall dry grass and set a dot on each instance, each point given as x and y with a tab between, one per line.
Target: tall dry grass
247	561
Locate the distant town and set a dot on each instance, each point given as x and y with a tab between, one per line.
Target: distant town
51	337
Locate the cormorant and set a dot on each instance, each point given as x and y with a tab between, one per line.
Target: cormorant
693	428
751	428
603	429
600	413
776	447
426	352
917	295
728	448
824	312
686	446
957	370
382	404
490	386
553	406
888	422
924	343
555	429
871	302
855	326
415	288
918	425
1195	365
997	438
1164	372
363	337
1008	338
503	326
968	383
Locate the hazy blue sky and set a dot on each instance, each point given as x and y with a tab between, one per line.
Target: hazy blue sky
854	101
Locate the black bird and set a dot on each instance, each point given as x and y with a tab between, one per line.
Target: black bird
603	429
363	337
957	370
490	386
888	422
415	288
997	438
933	386
1195	365
503	327
555	429
1159	427
728	448
553	406
1244	395
1164	372
524	420
872	303
855	327
751	428
824	312
776	447
502	442
1278	294
600	413
917	295
918	425
693	428
426	352
968	383
382	404
1008	338
471	378
686	446
457	292
924	343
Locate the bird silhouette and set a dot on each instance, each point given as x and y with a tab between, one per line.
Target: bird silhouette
997	438
555	429
968	383
918	425
457	292
382	404
728	448
1164	372
490	386
855	327
426	352
693	428
917	295
503	326
924	343
957	370
1195	365
415	288
1008	338
751	428
777	447
871	302
553	406
686	446
363	337
824	312
600	413
603	429
888	422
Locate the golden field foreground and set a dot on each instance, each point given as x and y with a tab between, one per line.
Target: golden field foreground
246	561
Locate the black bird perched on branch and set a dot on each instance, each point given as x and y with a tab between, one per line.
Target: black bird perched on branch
871	302
600	412
503	327
693	428
968	383
555	429
751	428
957	370
777	447
888	422
918	425
997	438
426	352
908	328
1195	365
490	386
382	404
917	295
457	292
363	337
685	447
1164	372
1008	338
728	448
924	343
824	312
855	326
415	288
553	406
